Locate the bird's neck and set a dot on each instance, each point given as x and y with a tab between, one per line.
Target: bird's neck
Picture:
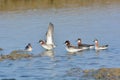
96	44
79	43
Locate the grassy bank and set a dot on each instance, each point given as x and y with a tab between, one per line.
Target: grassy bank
8	5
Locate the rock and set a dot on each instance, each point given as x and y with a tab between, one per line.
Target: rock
103	73
93	74
15	55
107	73
1	49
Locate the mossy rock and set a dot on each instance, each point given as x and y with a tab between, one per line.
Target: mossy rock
16	54
103	73
108	73
19	52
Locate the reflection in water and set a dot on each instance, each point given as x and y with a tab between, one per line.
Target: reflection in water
98	52
49	53
70	55
46	4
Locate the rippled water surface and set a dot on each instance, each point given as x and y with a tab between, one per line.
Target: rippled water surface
20	27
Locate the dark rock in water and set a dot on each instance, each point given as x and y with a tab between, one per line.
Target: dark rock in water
1	49
92	74
15	55
108	74
19	52
104	74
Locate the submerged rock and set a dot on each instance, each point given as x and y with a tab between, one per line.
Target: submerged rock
107	73
15	55
19	52
92	74
103	74
74	72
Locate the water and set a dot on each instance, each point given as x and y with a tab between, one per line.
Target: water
18	28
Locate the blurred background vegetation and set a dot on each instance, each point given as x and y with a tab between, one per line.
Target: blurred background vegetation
9	5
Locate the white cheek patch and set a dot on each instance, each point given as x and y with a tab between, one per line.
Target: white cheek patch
41	42
66	43
79	41
96	41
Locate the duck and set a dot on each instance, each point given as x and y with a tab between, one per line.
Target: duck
48	44
28	47
97	47
70	48
45	45
84	46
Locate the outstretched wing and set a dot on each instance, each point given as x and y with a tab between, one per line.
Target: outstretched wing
49	34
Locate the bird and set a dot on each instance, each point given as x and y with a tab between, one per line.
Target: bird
45	45
71	48
28	47
97	47
48	44
84	46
